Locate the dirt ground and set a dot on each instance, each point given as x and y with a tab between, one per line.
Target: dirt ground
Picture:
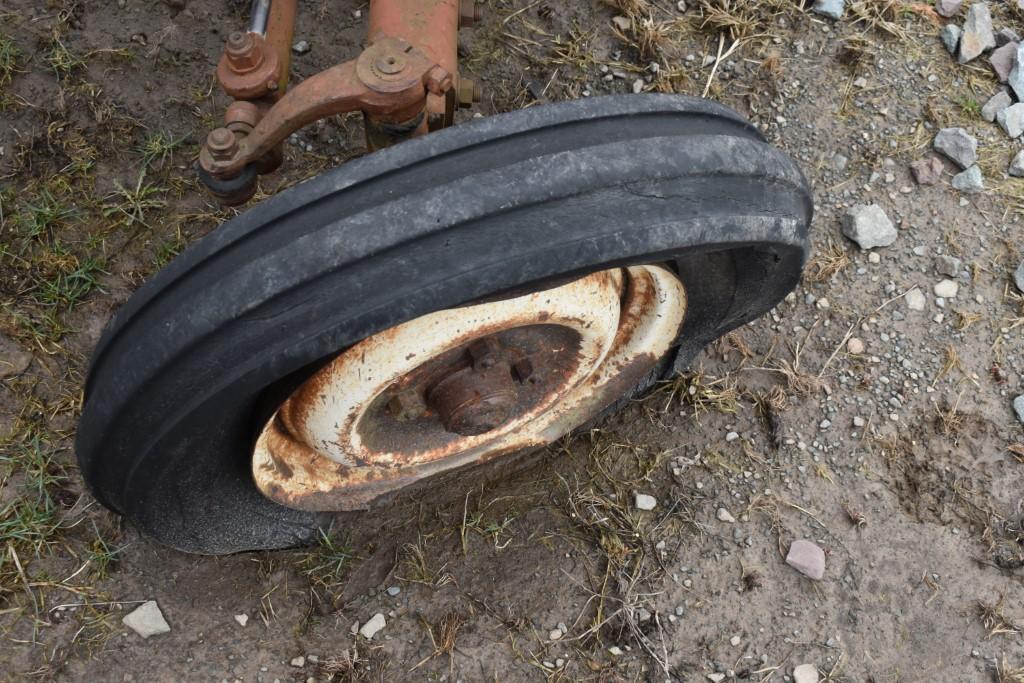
903	458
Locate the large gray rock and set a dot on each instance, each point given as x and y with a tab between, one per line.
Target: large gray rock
833	9
959	145
998	102
977	37
868	226
969	181
950	37
146	620
948	8
1016	78
1011	120
1017	170
1003	59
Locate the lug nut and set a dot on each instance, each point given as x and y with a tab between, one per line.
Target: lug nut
470	13
469	92
438	81
242	52
222	144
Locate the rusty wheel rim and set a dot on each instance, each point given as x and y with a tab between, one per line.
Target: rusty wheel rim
464	385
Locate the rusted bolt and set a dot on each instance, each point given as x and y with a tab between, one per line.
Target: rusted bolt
469	92
438	80
470	13
485	352
406	405
390	64
522	369
243	53
222	144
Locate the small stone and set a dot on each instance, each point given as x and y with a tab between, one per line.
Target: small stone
725	516
642	501
1002	60
554	634
146	620
298	662
833	9
681	5
1018	275
874	257
805	673
839	161
977	34
969	181
950	37
716	677
807	558
373	626
1011	120
1017	165
915	300
1016	79
615	651
1018	407
1006	35
394	590
868	226
301	47
622	23
855	346
242	619
998	102
638	86
927	171
859	421
731	436
948	8
957	144
947	289
949	266
734	641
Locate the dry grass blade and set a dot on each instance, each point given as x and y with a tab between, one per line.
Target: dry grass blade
880	15
994	620
1009	674
1017	451
825	264
443	635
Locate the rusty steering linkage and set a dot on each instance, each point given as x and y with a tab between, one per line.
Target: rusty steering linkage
389	82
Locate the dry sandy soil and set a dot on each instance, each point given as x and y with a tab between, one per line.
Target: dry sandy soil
903	459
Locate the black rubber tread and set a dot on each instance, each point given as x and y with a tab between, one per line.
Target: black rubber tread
173	396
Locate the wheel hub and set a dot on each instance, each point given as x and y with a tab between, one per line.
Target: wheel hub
464	385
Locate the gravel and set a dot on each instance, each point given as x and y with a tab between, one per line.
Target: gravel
915	300
147	620
868	226
373	626
1016	79
927	171
642	501
1017	165
242	619
1003	59
998	102
960	146
807	558
725	516
301	47
1018	275
950	36
947	289
949	266
1018	407
948	8
977	36
805	673
833	9
969	181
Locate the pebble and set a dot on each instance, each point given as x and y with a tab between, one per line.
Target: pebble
807	558
1018	275
638	86
805	673
947	289
977	35
957	144
915	300
950	37
555	634
622	23
394	590
301	47
734	641
242	619
1006	35
855	346
1011	120
716	677
725	516
868	226
948	265
833	9
147	620
1002	60
927	171
998	102
1018	407
298	662
969	181
1017	165
373	626
1016	79
615	651
642	501
948	8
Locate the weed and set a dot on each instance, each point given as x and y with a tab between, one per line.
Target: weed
132	203
702	393
9	57
969	105
994	620
39	218
157	147
62	60
327	565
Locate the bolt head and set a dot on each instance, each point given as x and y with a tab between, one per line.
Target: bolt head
243	52
390	64
438	81
222	144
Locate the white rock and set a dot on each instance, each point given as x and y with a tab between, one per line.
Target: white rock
1017	165
947	289
807	558
716	677
642	501
725	516
1018	407
373	626
301	47
242	619
1011	120
734	641
957	144
298	662
855	346
805	673
555	634
615	651
915	300
147	620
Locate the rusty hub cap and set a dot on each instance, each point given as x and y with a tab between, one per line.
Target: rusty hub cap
463	385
